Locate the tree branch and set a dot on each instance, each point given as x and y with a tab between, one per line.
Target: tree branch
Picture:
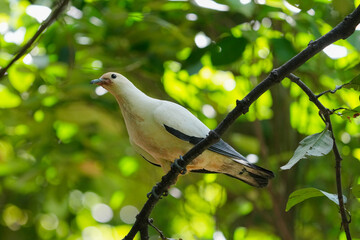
344	221
60	7
326	114
332	91
312	97
341	31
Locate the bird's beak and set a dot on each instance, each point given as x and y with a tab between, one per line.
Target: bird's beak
96	81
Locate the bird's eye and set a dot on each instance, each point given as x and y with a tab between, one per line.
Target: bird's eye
113	76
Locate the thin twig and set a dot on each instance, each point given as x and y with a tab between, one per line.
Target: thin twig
326	115
332	91
337	109
341	31
151	223
60	7
344	220
312	97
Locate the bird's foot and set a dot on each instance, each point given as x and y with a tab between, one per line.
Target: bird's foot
178	165
155	194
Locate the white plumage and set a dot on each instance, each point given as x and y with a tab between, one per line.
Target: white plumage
161	131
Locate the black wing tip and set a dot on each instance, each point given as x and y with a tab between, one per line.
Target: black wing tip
264	172
262	177
261	182
201	171
150	161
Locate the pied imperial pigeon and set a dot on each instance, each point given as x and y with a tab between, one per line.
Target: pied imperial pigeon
161	131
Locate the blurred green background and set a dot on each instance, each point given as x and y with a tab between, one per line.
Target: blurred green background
67	170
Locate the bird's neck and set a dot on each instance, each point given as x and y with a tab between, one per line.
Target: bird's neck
130	99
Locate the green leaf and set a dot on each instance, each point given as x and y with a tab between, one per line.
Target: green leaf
318	144
8	99
21	77
354	83
227	50
354	40
333	197
283	49
301	195
192	64
356	191
351	113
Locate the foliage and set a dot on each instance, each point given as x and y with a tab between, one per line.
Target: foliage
306	193
318	144
66	167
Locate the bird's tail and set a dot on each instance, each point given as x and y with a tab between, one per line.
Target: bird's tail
249	173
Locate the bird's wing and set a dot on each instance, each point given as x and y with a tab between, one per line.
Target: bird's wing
177	117
184	125
220	147
144	154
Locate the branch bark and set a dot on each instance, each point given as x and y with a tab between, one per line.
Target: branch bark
52	17
343	30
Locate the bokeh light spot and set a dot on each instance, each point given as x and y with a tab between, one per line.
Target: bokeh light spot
128	214
102	212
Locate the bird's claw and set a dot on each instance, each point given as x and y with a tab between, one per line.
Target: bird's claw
178	165
155	194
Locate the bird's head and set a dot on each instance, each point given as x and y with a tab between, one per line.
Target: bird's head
109	80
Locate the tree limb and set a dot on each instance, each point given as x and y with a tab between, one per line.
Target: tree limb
341	31
312	97
332	91
60	7
326	114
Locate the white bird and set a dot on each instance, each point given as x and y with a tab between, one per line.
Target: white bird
161	131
